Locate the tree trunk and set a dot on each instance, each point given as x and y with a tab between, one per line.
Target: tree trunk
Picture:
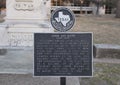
118	9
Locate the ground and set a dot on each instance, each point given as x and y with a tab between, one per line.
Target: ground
105	28
106	71
104	74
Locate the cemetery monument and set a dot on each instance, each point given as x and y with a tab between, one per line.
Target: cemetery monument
23	19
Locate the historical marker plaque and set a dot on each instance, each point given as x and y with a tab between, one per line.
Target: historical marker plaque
63	54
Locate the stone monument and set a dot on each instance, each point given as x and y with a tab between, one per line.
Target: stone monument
26	10
24	18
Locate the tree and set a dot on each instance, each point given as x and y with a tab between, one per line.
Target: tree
118	9
2	4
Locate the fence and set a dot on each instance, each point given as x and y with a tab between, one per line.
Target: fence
78	9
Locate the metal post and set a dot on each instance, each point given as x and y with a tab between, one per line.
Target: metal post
62	80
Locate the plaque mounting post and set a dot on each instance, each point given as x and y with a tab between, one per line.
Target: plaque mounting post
62	80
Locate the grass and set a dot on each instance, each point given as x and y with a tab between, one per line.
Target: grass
105	28
104	74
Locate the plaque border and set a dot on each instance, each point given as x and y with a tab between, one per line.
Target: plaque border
64	33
